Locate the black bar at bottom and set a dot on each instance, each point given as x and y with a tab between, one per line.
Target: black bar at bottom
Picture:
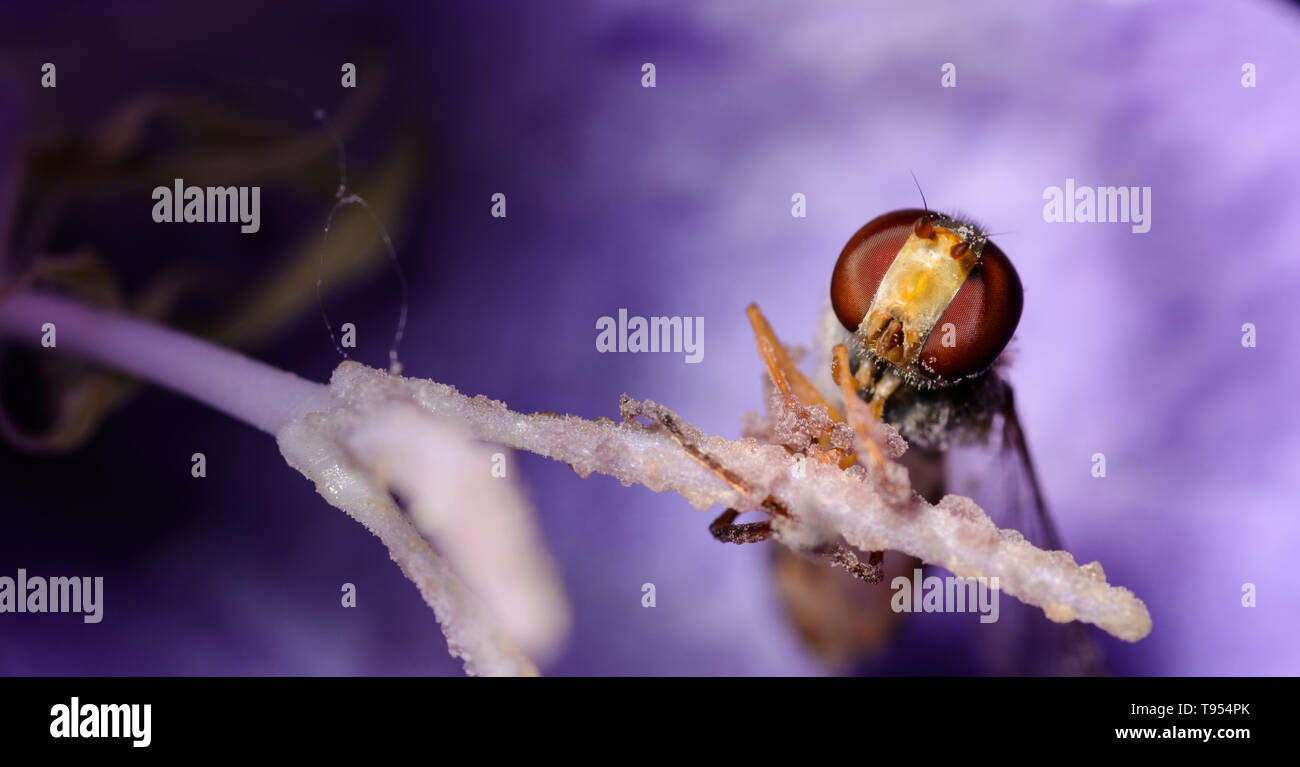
561	716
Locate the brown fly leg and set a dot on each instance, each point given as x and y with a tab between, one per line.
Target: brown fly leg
776	358
869	571
796	389
666	418
724	529
793	385
887	385
861	417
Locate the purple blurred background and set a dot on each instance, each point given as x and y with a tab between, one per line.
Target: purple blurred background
676	201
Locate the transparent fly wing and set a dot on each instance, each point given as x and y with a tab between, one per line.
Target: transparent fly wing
999	474
1002	478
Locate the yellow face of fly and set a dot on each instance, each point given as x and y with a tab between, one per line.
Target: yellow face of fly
915	291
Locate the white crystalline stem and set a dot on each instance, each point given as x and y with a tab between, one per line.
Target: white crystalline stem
955	534
626	451
275	401
310	445
351	442
959	536
479	521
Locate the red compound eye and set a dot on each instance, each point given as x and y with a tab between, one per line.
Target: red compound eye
864	261
983	314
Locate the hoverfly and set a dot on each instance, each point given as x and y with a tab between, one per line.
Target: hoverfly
923	304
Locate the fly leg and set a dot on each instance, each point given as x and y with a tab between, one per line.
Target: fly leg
724	529
869	571
787	377
861	417
795	388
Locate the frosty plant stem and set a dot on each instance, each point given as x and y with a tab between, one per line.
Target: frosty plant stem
258	394
496	593
279	403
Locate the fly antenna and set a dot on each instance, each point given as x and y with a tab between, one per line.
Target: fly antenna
918	188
